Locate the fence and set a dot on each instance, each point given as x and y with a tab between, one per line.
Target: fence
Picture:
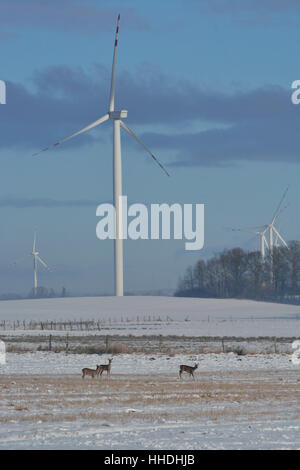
169	345
80	325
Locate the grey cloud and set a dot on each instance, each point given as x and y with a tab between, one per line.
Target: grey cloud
21	203
251	124
262	140
86	17
269	6
253	12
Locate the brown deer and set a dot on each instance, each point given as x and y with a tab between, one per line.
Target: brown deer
190	370
106	367
91	372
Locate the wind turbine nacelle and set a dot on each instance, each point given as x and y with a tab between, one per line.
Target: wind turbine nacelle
118	114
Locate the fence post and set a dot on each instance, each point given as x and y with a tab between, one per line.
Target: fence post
106	343
223	346
50	343
67	343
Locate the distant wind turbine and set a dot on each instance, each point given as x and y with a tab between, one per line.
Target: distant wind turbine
269	228
272	230
36	259
115	116
263	240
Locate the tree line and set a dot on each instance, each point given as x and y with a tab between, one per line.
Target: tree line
236	273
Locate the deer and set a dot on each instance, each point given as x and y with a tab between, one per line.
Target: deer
189	369
92	372
106	367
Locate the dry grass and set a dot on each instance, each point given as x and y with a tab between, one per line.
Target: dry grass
234	395
118	344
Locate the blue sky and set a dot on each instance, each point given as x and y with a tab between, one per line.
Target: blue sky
207	85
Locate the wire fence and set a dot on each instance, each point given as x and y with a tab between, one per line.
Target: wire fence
169	345
81	325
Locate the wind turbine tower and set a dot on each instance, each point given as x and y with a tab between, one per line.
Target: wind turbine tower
116	117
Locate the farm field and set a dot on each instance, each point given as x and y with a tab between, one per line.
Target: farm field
235	401
150	316
245	394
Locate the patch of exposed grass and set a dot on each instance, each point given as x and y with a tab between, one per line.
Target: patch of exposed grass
221	395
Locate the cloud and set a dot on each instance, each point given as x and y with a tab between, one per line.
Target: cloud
259	124
253	11
86	17
262	140
269	6
21	203
34	119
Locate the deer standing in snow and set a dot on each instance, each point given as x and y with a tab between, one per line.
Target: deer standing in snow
91	372
106	367
189	369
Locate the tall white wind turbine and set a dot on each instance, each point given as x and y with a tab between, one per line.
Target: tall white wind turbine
263	240
115	116
36	259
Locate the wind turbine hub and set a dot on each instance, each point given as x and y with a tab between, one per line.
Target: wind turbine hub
117	115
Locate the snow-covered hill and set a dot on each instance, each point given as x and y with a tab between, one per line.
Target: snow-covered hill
163	315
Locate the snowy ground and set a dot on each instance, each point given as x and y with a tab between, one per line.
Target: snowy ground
247	402
237	401
155	315
51	363
282	435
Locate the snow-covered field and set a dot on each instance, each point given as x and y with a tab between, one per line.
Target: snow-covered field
158	315
60	363
248	402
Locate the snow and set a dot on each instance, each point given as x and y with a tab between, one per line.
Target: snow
176	307
163	315
236	402
61	363
281	435
208	413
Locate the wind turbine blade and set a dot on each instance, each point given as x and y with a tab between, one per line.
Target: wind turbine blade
19	260
283	209
265	240
144	146
87	128
243	230
113	72
277	212
280	237
43	263
257	227
34	242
